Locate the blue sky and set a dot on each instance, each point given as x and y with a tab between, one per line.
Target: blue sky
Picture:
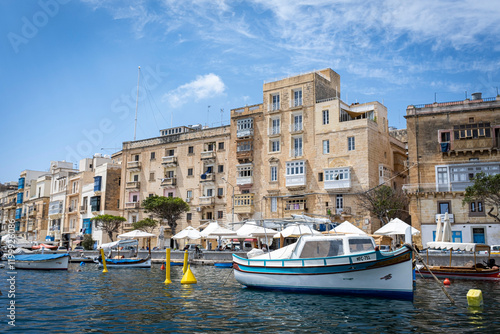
69	68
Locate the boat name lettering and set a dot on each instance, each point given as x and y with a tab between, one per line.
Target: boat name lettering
363	258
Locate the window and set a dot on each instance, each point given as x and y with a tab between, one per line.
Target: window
220	168
350	144
190	150
320	177
476	209
170	194
221	145
297	123
169	174
244	127
210	192
135	198
136	157
339	202
444	207
274	145
274	173
151	176
274	204
326	117
190	172
295	168
297	147
245	170
295	204
189	194
220	192
153	156
297	97
170	153
97	183
220	214
189	216
95	203
209	215
275	126
445	137
135	177
326	146
276	101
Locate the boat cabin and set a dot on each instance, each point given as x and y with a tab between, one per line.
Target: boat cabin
335	245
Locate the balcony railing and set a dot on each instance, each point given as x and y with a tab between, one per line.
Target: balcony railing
337	185
208	155
244	154
83	209
296	180
169	181
170	161
206	200
244	133
133	185
210	177
466	145
134	165
132	205
244	180
274	131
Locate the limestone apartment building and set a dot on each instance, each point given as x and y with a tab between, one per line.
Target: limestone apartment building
448	144
189	162
305	151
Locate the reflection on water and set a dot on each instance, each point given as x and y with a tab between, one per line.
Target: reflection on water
134	300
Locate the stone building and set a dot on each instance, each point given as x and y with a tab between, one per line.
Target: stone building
8	196
305	151
448	144
189	162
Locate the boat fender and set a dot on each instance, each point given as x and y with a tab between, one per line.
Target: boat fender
446	281
82	264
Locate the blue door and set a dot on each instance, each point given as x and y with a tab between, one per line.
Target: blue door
478	235
87	226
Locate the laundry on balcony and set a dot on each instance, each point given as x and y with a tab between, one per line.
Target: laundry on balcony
445	147
204	175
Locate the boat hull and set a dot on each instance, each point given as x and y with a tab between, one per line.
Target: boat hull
462	273
128	263
60	263
370	274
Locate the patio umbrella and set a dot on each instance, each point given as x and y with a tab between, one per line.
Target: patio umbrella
346	227
295	231
136	234
439	230
188	233
396	226
446	229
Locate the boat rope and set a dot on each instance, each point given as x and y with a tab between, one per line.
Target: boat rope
441	285
231	272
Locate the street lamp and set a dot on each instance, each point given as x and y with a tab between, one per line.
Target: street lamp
232	215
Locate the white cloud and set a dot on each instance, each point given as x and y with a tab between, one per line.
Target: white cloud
204	87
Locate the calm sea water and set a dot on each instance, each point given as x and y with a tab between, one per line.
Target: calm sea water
135	300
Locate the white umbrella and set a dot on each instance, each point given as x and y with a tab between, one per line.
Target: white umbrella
135	234
439	230
188	233
446	229
296	230
396	226
211	227
346	227
254	231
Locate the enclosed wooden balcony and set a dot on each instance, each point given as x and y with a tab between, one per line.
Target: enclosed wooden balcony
243	203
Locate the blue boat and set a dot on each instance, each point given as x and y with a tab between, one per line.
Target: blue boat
42	261
223	264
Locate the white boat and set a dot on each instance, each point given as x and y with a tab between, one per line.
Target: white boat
42	261
336	264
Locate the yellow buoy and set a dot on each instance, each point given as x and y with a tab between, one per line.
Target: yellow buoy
188	277
475	297
185	266
167	268
103	261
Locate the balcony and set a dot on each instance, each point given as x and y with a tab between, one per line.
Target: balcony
133	185
244	180
206	200
296	128
450	216
30	226
169	182
132	205
296	180
337	185
72	210
242	133
170	161
83	209
469	145
243	204
207	155
134	166
210	177
244	155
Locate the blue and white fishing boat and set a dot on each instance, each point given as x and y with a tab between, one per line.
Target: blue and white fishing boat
42	261
337	264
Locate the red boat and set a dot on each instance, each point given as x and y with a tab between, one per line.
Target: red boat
40	246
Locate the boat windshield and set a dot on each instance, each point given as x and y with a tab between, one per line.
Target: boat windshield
359	245
322	248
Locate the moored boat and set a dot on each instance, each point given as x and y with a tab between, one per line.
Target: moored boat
42	261
336	264
488	271
126	263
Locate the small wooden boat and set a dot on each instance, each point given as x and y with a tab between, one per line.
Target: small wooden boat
477	271
42	261
334	264
223	264
126	263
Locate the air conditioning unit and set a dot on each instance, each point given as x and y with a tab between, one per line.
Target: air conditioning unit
198	209
188	199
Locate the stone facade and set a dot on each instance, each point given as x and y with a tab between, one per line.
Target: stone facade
448	143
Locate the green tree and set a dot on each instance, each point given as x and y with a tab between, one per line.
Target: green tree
88	242
486	188
146	225
166	209
109	223
385	203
